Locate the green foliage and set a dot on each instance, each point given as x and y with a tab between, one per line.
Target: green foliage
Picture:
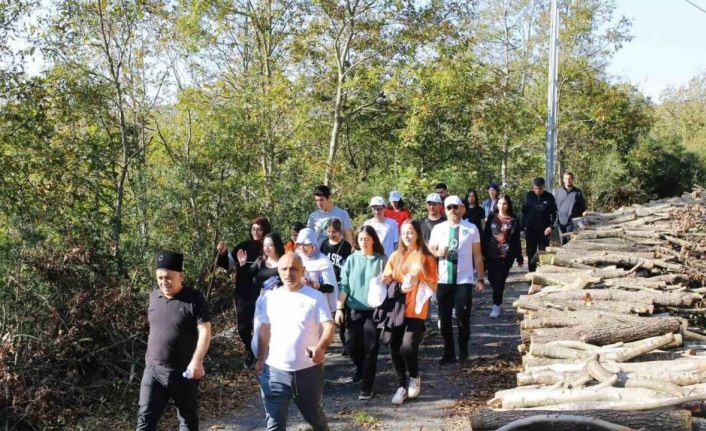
172	124
663	167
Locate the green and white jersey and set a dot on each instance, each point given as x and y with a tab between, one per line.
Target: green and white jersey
457	267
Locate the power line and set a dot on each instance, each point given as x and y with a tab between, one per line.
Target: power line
696	6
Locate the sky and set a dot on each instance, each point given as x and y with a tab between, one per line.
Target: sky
668	46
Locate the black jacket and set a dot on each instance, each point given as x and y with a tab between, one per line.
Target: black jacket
245	285
474	215
538	212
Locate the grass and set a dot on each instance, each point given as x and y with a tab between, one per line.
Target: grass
363	418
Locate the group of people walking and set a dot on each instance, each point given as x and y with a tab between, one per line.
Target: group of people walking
375	283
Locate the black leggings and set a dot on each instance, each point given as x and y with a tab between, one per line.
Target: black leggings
498	270
363	340
245	314
404	349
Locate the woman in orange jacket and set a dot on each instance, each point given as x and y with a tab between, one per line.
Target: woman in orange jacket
414	267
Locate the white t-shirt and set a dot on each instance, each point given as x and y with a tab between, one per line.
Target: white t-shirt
295	323
457	267
318	219
387	232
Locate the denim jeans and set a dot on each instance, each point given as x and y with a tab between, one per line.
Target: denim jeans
279	387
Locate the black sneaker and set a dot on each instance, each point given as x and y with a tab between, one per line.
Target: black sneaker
366	395
445	360
462	354
357	377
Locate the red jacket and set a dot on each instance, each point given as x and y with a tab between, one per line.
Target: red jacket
398	216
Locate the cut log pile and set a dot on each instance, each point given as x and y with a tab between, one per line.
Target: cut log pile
612	325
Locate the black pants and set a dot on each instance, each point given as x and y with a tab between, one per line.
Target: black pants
564	228
458	296
404	349
245	314
159	384
498	270
363	344
535	240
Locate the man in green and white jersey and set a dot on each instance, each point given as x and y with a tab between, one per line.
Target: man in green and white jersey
456	244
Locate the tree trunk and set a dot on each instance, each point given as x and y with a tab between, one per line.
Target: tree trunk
608	332
673	420
335	131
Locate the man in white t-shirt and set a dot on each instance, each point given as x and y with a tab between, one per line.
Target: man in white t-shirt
386	228
296	329
318	220
456	244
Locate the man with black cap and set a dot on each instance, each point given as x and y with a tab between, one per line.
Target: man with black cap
180	333
538	218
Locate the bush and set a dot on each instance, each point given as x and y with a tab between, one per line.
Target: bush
71	329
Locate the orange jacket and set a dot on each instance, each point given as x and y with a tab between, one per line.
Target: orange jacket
416	263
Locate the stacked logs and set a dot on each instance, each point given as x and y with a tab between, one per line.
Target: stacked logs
612	325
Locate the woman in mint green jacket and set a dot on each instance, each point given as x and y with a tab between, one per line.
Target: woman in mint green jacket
366	263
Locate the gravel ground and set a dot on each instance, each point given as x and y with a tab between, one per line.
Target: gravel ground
449	394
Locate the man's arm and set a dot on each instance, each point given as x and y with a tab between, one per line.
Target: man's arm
580	205
204	340
552	211
325	339
478	264
263	347
340	305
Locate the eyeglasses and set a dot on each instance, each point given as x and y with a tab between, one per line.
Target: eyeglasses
452	207
433	203
378	208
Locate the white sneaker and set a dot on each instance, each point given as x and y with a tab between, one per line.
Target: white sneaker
414	387
494	312
400	396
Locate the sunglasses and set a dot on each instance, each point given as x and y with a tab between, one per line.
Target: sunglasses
452	207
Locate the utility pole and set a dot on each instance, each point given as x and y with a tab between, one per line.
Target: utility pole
552	97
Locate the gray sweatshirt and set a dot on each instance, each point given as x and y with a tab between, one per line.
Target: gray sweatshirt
569	203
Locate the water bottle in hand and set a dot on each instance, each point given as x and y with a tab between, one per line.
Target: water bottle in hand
187	374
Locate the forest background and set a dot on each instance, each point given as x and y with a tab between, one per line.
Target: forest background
172	123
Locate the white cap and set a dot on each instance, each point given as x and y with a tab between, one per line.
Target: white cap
395	196
434	197
377	201
452	200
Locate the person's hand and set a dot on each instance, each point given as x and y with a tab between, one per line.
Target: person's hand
242	257
259	366
317	355
338	317
409	282
197	370
310	282
442	251
548	231
386	279
480	286
221	247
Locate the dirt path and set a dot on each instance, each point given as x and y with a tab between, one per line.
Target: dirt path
448	393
